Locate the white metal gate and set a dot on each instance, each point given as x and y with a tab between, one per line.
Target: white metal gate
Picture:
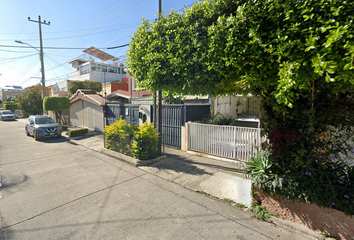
238	143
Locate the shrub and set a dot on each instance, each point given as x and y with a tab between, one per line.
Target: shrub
119	135
64	127
145	142
218	119
139	142
77	132
327	183
10	105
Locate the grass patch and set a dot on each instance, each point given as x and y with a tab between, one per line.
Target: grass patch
260	212
229	201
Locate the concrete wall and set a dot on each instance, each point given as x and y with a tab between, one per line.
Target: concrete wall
236	105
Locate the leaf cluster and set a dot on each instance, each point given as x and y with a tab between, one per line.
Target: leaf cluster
56	103
10	105
139	142
30	101
277	49
94	86
307	183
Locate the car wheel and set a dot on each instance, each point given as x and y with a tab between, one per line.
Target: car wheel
27	133
36	136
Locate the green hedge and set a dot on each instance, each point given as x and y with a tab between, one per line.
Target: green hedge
138	142
64	127
77	132
10	105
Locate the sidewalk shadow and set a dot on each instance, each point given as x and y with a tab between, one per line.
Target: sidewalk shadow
179	164
235	170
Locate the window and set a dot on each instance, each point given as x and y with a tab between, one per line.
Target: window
93	67
101	68
118	70
84	69
112	69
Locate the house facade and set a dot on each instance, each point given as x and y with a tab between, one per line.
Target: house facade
87	110
59	89
82	70
236	106
8	92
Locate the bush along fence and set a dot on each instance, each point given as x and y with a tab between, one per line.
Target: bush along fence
77	132
137	142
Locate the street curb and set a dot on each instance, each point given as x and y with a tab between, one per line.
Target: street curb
132	161
119	156
284	224
291	226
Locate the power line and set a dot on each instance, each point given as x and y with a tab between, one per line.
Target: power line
97	24
60	48
118	19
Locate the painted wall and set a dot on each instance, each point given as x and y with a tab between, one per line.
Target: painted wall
235	106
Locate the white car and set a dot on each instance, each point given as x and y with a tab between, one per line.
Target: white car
6	115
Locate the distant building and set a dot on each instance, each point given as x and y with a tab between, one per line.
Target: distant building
97	71
59	89
8	92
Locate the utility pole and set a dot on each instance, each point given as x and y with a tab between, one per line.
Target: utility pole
41	52
159	128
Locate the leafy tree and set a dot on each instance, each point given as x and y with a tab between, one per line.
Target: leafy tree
95	86
30	101
56	104
297	55
274	48
10	105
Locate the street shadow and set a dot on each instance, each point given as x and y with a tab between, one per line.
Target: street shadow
235	169
179	164
53	140
11	181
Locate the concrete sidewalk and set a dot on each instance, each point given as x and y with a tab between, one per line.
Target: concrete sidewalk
220	179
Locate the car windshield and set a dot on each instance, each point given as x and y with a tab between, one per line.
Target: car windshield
43	120
6	112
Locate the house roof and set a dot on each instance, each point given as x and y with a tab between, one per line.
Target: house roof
99	54
125	94
78	60
88	96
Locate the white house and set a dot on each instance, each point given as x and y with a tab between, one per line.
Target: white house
91	70
87	110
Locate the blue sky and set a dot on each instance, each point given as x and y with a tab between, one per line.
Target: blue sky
73	24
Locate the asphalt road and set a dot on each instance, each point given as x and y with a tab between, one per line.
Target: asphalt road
55	190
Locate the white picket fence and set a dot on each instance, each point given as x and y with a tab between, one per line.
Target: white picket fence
237	143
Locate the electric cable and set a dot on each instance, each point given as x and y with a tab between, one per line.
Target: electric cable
83	32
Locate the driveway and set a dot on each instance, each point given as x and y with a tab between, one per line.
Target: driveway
55	190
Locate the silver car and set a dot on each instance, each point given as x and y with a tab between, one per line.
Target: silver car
6	115
42	127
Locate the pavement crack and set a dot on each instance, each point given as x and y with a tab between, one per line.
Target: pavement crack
72	201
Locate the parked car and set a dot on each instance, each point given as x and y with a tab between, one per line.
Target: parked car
42	127
6	115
